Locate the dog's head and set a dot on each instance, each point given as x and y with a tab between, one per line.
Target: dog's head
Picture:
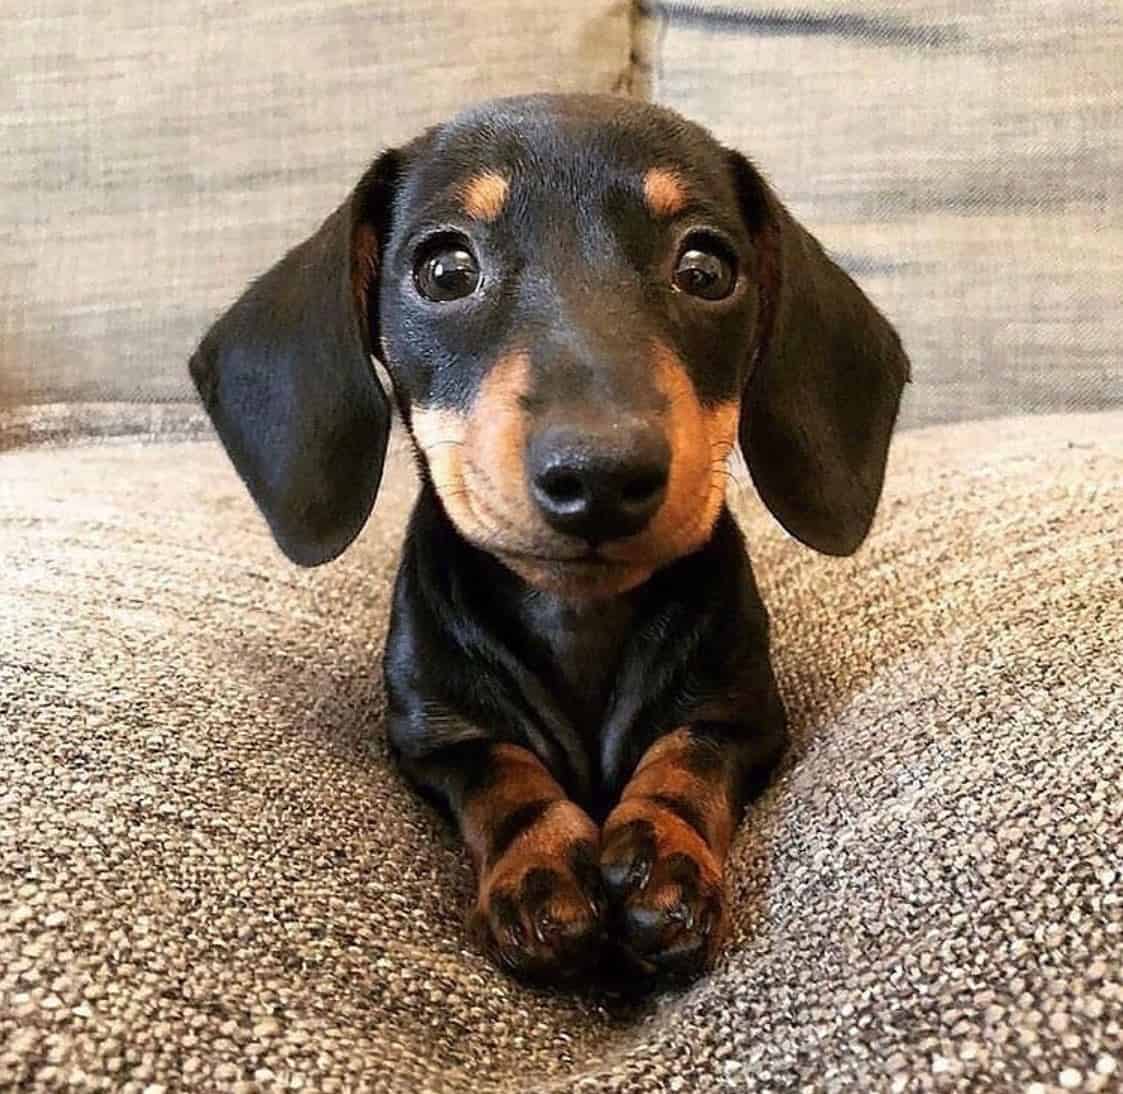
583	304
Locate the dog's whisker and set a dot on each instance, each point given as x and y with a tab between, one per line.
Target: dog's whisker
489	518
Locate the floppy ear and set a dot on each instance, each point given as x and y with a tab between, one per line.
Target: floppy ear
287	379
826	382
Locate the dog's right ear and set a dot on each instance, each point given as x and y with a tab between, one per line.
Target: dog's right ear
287	378
822	399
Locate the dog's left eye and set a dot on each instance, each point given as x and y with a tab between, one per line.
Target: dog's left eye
703	271
446	271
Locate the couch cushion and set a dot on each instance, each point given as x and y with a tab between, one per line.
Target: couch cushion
211	878
156	156
960	159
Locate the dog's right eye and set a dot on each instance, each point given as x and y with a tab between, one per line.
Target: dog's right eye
446	270
705	269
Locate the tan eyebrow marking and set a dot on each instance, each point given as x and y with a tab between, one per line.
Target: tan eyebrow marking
664	191
485	195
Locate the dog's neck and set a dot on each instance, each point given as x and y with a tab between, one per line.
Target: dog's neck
580	644
574	646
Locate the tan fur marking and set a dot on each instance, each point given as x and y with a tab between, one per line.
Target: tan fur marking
549	838
546	843
516	755
672	833
518	778
663	770
476	464
475	459
701	440
577	582
664	191
497	439
484	196
667	746
364	264
441	435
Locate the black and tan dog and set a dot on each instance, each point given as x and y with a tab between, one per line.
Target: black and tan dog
583	304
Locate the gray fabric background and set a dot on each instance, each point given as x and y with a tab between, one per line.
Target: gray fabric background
964	161
157	154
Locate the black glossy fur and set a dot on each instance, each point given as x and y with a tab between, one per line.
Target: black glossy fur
480	656
586	688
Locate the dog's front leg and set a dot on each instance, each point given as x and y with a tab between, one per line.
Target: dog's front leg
538	905
663	847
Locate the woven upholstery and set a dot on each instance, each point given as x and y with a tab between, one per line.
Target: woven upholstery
211	879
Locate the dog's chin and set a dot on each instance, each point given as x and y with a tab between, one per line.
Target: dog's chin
612	570
577	579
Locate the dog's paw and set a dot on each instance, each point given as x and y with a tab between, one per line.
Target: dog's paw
666	902
540	907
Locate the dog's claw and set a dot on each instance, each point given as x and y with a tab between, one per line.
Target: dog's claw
624	877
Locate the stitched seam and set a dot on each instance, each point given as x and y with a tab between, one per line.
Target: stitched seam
647	27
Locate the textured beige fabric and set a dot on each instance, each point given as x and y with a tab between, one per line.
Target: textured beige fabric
963	160
210	879
157	154
65	423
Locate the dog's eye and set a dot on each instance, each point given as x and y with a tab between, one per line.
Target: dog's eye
447	271
704	271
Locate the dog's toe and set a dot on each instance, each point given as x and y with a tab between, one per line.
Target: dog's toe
540	917
667	907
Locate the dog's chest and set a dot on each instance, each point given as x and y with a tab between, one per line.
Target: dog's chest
579	653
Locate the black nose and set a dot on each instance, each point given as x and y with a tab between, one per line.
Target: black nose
598	484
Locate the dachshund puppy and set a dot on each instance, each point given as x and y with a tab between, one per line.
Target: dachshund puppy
583	304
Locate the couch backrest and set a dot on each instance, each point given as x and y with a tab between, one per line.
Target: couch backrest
965	161
156	156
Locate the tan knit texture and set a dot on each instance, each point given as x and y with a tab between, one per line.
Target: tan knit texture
211	879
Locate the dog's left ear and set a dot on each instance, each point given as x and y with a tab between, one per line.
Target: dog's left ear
826	381
287	378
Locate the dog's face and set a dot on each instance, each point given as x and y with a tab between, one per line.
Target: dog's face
566	307
583	304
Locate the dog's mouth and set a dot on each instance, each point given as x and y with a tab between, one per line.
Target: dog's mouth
591	559
581	575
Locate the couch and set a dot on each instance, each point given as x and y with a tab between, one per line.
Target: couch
211	878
